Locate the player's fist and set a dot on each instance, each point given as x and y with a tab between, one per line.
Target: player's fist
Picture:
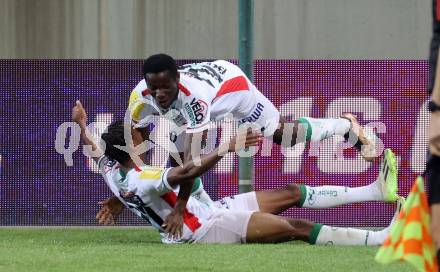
79	115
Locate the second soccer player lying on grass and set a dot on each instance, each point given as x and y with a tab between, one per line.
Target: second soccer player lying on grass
244	218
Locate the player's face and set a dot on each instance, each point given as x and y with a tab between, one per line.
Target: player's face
163	87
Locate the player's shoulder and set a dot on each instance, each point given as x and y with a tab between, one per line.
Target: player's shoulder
140	91
186	85
140	87
191	87
132	178
146	172
145	178
196	65
110	170
139	99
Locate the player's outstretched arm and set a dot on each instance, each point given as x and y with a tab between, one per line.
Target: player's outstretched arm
79	116
184	176
194	143
111	207
190	170
173	224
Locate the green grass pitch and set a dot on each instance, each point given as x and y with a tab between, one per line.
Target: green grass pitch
139	249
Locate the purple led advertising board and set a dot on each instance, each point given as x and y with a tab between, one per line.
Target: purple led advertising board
38	188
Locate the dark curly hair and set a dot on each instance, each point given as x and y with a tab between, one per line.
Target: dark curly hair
160	63
114	135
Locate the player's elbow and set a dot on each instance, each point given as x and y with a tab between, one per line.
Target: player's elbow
189	172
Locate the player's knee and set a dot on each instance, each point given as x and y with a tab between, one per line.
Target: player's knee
300	228
294	192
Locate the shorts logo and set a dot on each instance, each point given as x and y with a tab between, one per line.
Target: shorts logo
196	111
255	115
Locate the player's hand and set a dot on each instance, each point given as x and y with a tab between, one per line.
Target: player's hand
245	140
173	224
110	210
79	115
434	134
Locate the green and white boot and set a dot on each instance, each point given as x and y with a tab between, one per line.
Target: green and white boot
388	176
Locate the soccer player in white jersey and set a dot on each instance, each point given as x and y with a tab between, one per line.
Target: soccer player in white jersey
113	175
111	208
244	218
198	93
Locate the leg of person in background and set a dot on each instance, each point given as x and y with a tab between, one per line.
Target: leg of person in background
311	129
384	188
433	178
435	227
433	165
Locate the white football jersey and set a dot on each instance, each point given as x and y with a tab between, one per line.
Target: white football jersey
117	182
207	91
154	197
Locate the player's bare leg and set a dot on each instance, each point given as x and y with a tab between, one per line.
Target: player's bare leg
278	200
383	189
310	129
269	228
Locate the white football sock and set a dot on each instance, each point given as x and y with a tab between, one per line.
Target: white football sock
349	237
326	235
332	196
320	129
